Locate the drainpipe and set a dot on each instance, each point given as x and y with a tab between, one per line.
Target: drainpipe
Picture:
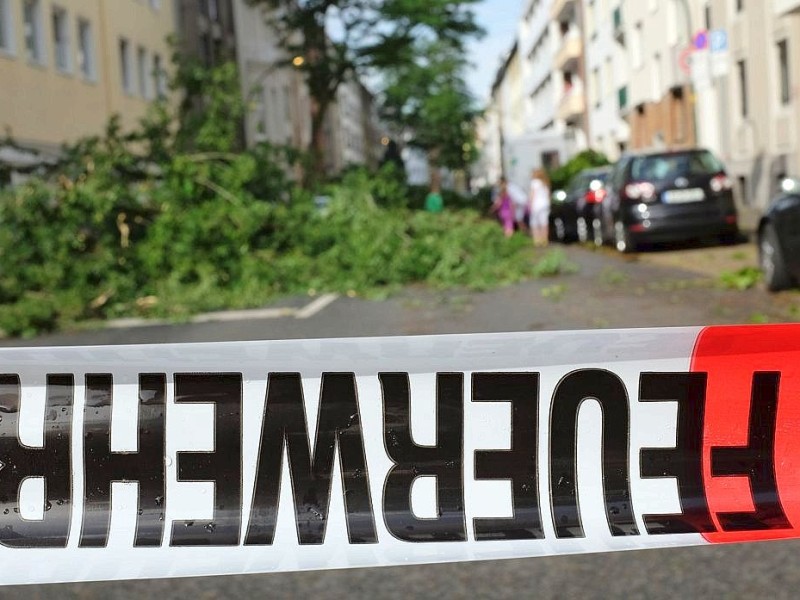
687	13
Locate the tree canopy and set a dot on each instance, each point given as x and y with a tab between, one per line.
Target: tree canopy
331	40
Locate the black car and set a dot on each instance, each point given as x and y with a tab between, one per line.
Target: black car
779	239
575	214
668	197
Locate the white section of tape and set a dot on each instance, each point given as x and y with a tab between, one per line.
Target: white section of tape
486	427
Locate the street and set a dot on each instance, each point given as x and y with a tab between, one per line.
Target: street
655	289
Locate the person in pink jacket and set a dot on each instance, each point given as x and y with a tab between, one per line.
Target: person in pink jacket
503	207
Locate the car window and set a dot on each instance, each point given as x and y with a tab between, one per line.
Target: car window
666	166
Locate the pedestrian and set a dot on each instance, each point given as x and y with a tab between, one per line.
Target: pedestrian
540	207
503	207
519	199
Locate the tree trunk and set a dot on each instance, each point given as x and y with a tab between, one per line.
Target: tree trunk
318	144
434	171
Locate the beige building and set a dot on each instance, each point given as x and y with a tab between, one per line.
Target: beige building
760	96
67	66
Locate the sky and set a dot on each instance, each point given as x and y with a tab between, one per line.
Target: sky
499	18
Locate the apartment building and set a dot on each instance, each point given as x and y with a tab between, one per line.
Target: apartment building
206	30
569	64
67	66
657	35
277	100
759	99
537	100
607	81
353	129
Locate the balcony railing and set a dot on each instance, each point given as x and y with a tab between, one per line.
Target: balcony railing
572	105
570	51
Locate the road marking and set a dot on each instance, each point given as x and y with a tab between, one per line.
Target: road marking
231	316
316	306
244	315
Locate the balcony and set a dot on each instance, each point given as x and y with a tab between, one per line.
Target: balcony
562	8
569	53
572	107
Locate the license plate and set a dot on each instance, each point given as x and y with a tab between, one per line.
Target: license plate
683	196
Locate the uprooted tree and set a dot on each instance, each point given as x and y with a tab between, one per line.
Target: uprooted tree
330	40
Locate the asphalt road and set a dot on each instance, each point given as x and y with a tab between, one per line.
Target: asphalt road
606	292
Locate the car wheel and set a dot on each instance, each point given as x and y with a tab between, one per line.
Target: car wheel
773	266
622	239
597	233
583	230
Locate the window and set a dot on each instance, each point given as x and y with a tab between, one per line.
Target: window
785	77
622	97
212	9
707	12
61	42
142	72
125	66
597	88
739	6
159	77
155	4
32	17
741	68
6	31
86	62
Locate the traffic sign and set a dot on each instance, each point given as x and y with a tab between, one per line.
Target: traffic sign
719	41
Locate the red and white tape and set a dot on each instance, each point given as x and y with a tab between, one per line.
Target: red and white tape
204	459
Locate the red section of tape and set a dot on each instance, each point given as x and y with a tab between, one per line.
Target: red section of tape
731	356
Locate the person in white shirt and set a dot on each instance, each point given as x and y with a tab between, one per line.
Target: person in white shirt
540	207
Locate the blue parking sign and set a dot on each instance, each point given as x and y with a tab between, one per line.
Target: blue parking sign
719	40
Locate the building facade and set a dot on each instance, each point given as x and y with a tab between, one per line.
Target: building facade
607	82
276	97
206	30
67	67
759	98
537	101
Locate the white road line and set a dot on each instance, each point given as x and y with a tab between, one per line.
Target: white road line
316	306
230	316
244	315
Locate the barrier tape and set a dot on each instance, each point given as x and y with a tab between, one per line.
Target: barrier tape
203	459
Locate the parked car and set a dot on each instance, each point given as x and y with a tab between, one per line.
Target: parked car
575	213
779	239
668	197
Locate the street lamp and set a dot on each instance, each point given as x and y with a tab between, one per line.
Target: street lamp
298	61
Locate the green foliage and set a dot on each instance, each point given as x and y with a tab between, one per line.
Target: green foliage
742	279
429	98
560	178
338	38
169	220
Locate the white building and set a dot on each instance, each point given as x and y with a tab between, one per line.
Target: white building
607	67
539	123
